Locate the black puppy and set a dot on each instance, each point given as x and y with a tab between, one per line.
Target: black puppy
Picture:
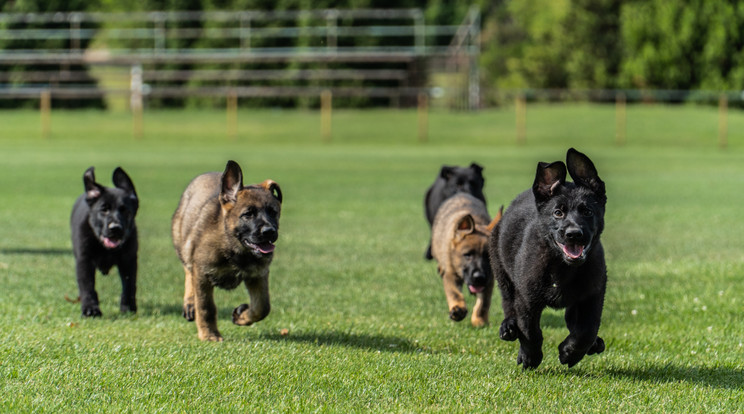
545	251
104	235
452	180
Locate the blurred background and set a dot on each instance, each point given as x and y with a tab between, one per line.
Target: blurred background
123	55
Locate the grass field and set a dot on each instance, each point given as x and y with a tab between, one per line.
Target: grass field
366	315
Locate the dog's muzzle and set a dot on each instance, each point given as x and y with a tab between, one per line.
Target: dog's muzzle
575	246
113	236
477	282
264	244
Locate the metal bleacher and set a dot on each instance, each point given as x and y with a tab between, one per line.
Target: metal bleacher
352	53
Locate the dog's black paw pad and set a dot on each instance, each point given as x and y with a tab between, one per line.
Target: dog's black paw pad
457	313
92	312
188	312
597	348
509	331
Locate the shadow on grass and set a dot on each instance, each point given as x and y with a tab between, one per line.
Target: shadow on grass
380	343
719	377
160	309
35	251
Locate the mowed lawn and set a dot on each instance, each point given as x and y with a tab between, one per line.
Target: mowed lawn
359	322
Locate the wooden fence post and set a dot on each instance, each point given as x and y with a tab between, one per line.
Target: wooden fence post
620	118
521	114
232	115
723	121
46	110
326	107
423	117
135	101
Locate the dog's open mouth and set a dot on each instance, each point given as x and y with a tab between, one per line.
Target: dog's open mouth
573	252
476	289
260	248
110	243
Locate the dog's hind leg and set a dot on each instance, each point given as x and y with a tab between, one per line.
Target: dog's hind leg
258	290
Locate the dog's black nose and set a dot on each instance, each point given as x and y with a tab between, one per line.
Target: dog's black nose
115	229
574	233
478	278
269	233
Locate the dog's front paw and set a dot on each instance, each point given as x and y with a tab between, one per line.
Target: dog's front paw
569	353
127	308
189	312
458	313
597	348
210	336
91	311
479	322
529	359
241	315
509	331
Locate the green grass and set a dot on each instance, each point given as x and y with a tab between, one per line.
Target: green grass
366	315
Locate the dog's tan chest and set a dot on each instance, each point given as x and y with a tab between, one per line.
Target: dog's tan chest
228	276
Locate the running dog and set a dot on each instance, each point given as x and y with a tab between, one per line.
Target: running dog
546	251
104	235
224	234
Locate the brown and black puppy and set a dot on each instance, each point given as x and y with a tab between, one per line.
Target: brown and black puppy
224	234
450	181
459	244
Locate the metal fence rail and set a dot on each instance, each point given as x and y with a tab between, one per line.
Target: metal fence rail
346	51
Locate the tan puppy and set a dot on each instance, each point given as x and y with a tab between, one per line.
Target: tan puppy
224	234
459	244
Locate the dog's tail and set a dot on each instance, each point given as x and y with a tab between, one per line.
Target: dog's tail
67	298
496	219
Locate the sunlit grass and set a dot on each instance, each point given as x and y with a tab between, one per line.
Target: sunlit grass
365	314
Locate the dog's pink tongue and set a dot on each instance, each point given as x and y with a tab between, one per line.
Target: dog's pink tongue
110	244
265	247
476	289
573	251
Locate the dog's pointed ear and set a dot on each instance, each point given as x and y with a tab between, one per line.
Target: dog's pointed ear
446	171
477	168
121	180
93	190
465	226
583	172
232	182
547	179
496	219
272	187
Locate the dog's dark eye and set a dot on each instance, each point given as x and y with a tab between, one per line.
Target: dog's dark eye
587	212
271	212
469	254
105	208
250	213
558	213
